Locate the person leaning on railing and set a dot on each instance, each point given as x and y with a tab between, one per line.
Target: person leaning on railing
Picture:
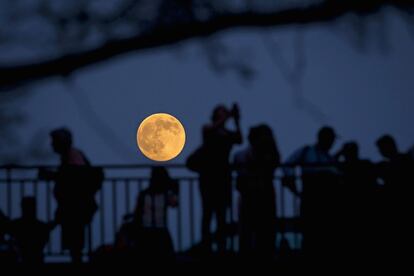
317	195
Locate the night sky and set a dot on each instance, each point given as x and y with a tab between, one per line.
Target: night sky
363	93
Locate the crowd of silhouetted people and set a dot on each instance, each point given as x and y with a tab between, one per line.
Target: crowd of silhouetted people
344	210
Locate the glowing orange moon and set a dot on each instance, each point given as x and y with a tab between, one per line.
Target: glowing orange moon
161	137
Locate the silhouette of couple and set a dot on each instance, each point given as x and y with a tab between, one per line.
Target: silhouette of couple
256	165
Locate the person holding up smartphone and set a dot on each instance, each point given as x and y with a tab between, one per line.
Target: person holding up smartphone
215	172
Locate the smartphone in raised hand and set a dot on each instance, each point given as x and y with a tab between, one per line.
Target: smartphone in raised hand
235	112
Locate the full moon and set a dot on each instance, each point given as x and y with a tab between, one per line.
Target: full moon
161	137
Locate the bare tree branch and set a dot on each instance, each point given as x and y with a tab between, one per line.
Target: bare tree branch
95	122
166	35
294	74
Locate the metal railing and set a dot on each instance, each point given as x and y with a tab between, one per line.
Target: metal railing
117	198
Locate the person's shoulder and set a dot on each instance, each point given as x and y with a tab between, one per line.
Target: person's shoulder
304	149
207	127
240	155
84	157
411	152
207	130
405	159
77	158
311	147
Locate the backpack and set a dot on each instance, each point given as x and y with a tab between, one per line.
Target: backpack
197	161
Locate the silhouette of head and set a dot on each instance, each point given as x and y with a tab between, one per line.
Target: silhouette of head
262	140
387	146
61	140
260	135
220	114
326	138
160	178
28	205
351	151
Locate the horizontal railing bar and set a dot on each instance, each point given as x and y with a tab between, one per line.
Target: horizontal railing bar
30	180
148	166
110	219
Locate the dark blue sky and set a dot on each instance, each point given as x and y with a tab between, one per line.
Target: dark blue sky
363	94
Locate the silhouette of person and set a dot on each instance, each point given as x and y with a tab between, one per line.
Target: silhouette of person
394	169
395	197
358	174
212	164
355	202
29	233
150	237
411	152
318	192
75	188
255	172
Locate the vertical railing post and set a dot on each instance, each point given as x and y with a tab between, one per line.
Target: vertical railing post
191	201
139	186
282	217
22	189
102	213
230	228
127	196
179	240
35	190
48	215
299	225
89	235
9	192
114	208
